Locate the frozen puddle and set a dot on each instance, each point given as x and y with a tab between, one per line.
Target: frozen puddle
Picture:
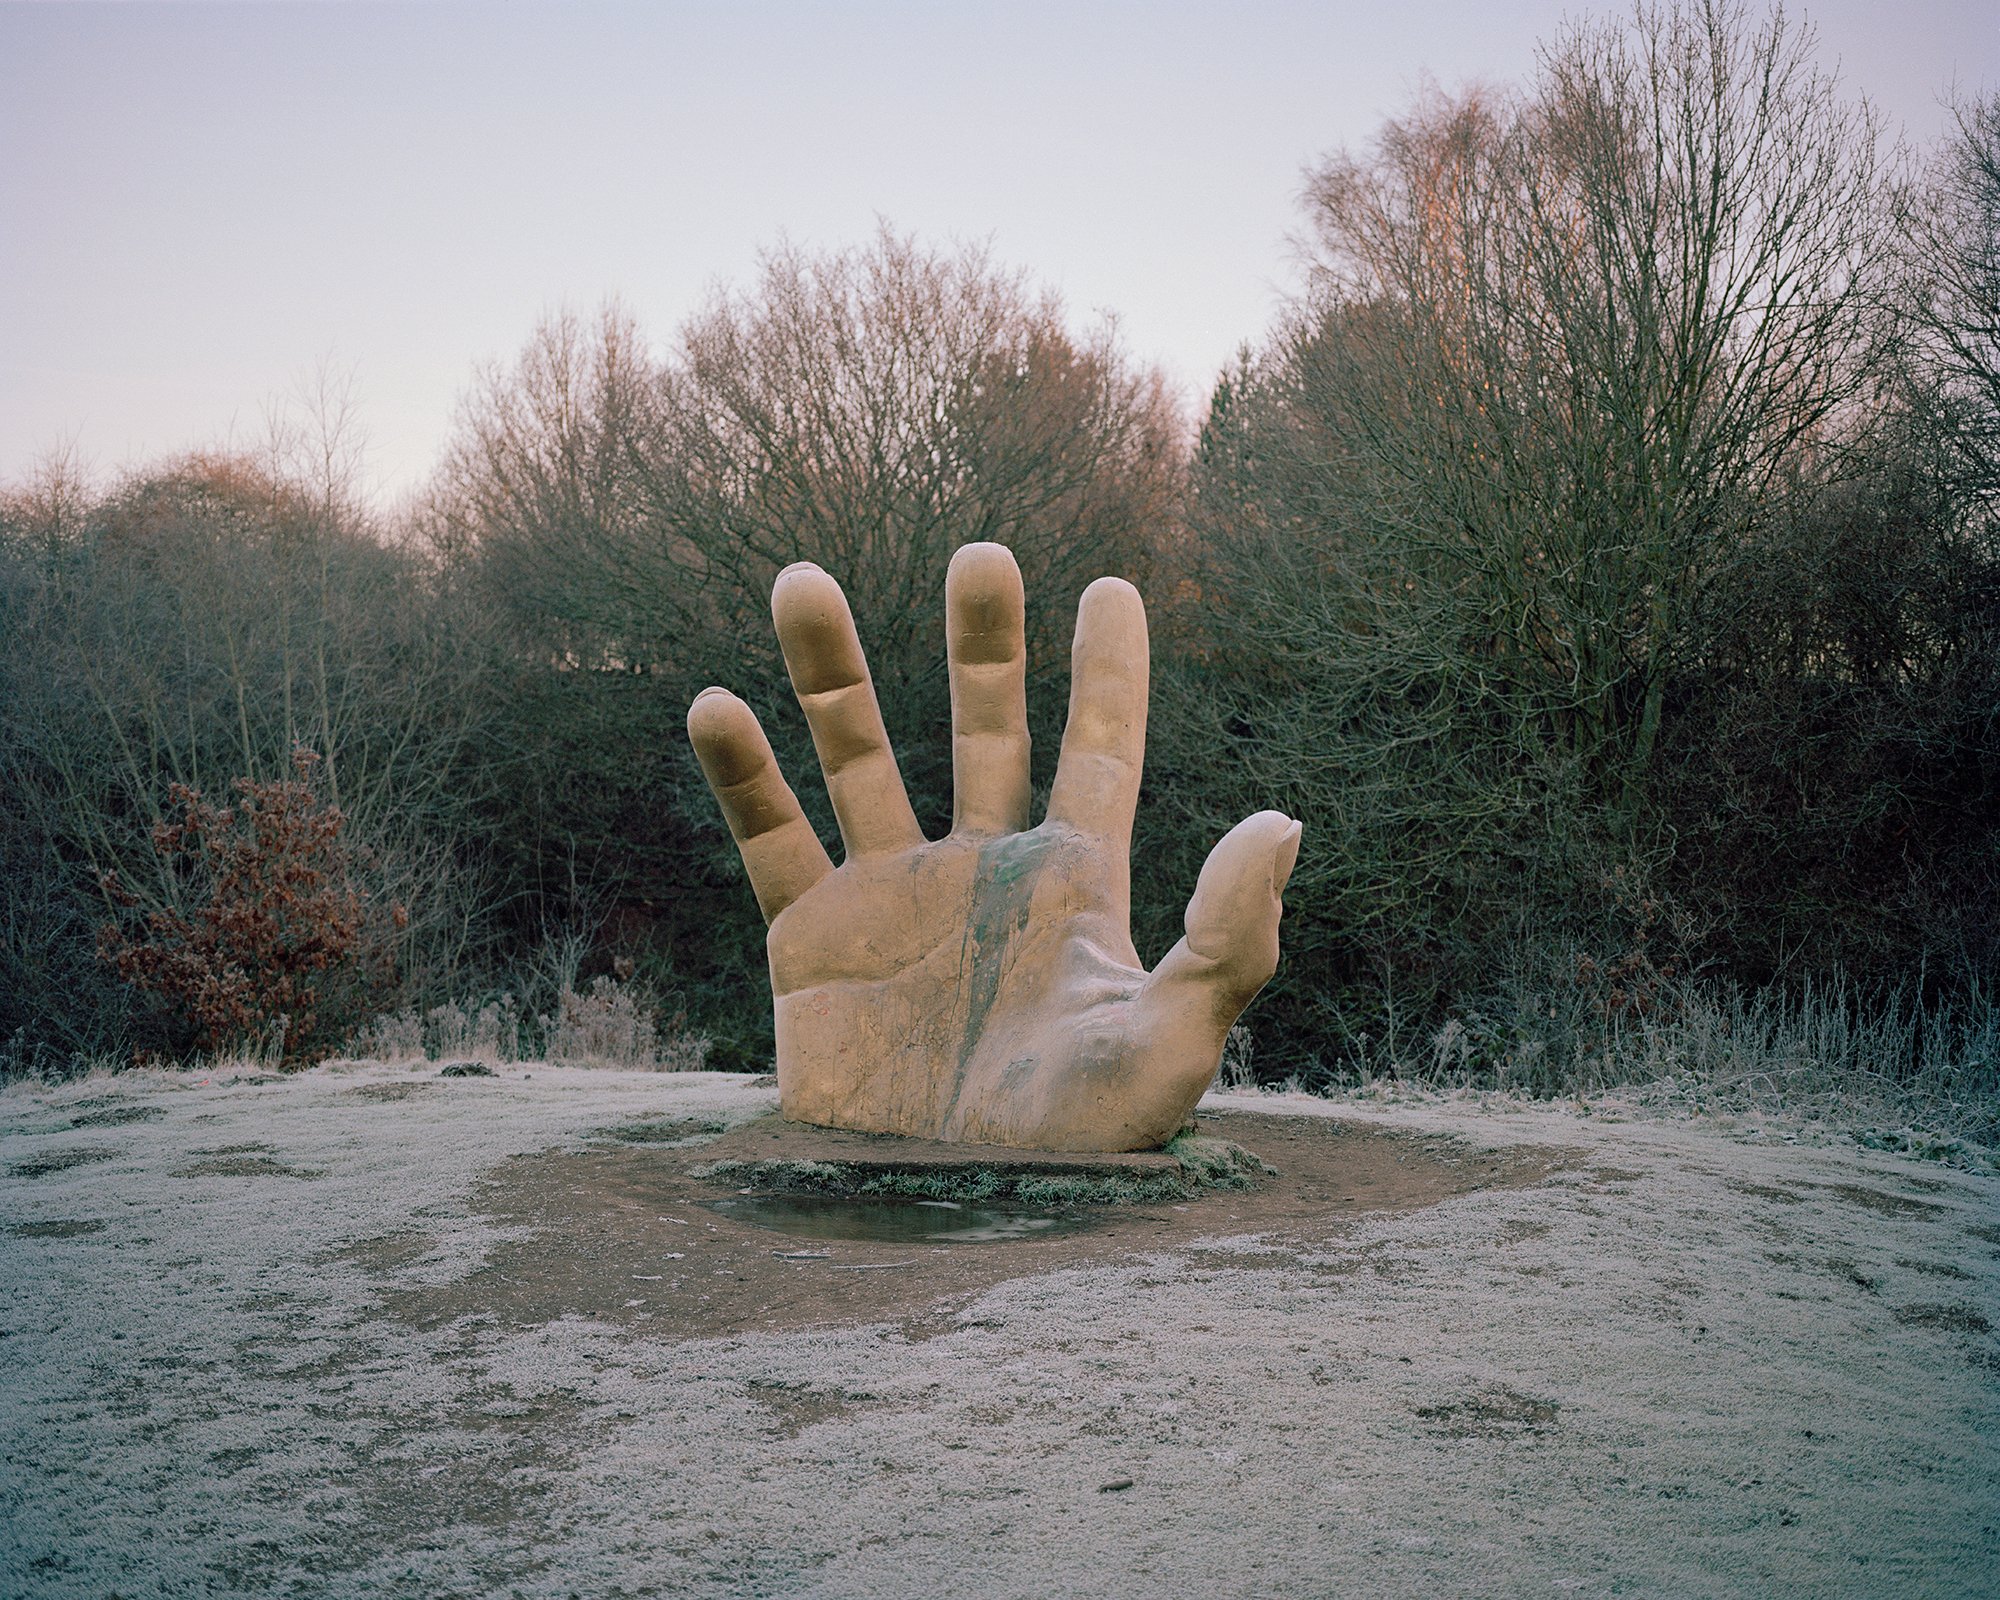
889	1219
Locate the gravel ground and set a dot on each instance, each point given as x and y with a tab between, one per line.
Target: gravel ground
1685	1356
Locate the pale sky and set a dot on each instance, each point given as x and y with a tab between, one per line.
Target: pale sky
201	204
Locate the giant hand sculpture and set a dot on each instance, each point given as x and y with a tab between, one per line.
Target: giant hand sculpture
984	987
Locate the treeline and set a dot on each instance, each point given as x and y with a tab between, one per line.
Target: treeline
1600	557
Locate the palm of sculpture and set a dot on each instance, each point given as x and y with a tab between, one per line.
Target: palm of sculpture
984	987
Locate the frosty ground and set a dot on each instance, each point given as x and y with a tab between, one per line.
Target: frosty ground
306	1336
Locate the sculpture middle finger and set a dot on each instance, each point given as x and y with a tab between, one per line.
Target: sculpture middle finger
986	645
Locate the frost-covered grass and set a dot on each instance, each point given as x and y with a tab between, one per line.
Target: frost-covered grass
1713	1354
608	1024
1824	1052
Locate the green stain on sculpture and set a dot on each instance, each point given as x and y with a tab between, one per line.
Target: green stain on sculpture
1003	894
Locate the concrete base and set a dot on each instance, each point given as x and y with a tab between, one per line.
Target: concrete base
772	1141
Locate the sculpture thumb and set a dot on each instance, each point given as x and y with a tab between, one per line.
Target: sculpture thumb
1231	948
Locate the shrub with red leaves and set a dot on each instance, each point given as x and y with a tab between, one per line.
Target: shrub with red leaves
275	932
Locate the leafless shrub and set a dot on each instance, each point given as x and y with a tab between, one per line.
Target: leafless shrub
613	1025
393	1036
1237	1051
489	1032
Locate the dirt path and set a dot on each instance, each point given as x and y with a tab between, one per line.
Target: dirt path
621	1233
374	1333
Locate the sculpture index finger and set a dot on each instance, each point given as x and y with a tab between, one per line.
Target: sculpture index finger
1104	742
780	850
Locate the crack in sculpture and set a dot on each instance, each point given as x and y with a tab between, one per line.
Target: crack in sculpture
984	987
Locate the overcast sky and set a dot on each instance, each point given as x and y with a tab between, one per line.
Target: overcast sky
199	205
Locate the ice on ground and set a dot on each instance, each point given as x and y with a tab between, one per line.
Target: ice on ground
1686	1364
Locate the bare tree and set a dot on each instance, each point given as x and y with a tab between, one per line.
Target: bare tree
1567	357
538	495
194	626
1953	298
872	410
1590	334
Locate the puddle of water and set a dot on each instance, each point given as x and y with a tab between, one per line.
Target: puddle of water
888	1218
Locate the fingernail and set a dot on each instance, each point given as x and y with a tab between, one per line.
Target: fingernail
1286	856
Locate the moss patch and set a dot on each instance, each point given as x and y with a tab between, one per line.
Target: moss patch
54	1161
1202	1162
667	1130
1212	1163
